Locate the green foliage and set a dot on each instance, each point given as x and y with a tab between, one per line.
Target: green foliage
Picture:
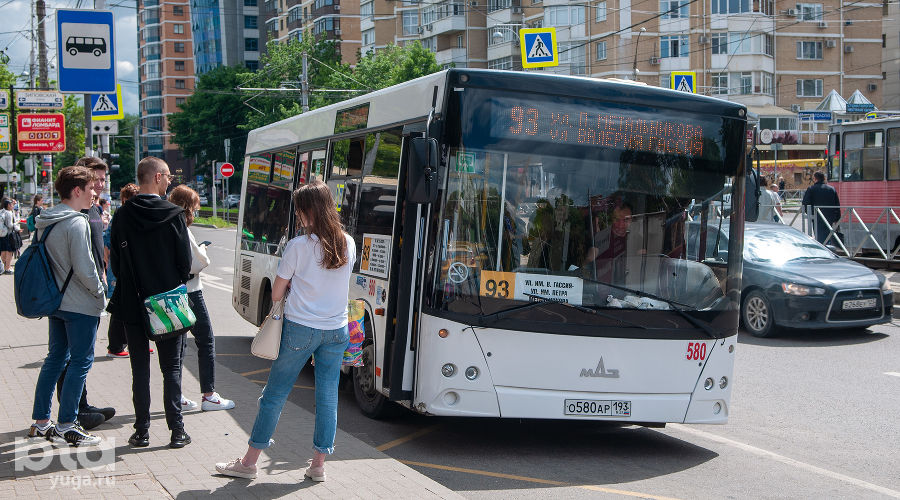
393	65
74	112
212	114
124	146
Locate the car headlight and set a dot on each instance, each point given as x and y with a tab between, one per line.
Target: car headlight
885	284
802	290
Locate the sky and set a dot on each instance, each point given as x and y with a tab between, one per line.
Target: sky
15	40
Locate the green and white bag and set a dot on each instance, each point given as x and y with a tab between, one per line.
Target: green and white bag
169	314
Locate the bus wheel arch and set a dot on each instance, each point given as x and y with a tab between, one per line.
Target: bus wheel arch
265	301
372	403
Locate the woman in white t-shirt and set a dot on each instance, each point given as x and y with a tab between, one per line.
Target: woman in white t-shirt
314	273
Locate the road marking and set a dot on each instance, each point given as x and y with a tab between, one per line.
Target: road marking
893	374
406	439
229	270
218	286
263	382
254	372
534	480
211	277
788	461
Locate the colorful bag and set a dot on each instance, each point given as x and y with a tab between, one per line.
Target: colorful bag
169	314
356	312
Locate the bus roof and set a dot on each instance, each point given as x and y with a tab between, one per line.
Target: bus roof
393	105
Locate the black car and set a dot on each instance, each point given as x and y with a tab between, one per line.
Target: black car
790	280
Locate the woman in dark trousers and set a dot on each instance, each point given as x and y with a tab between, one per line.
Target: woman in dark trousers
189	200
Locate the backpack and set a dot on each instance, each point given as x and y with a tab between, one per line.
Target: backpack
36	292
29	223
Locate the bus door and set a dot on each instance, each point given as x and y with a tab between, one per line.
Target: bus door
401	337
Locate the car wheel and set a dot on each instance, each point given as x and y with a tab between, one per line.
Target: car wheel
757	315
73	52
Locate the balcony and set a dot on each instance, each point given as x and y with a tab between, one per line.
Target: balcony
447	24
502	50
453	55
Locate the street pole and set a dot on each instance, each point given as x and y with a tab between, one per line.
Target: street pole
137	149
304	84
634	67
41	10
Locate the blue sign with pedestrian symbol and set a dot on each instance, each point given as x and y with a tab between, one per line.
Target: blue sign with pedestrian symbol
538	46
684	81
86	51
107	106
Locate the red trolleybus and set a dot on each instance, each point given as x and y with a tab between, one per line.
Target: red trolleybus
864	167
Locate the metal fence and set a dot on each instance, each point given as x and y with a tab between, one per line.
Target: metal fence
865	233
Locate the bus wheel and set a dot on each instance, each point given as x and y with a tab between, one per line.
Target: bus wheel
757	314
372	403
73	52
97	52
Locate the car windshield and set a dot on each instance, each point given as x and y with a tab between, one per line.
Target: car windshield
780	245
594	227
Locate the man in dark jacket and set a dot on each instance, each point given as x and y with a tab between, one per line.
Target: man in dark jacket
150	253
825	197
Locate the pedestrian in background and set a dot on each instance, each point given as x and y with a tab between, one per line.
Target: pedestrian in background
105	215
37	205
769	202
314	274
781	185
116	332
822	196
8	228
189	200
73	327
150	253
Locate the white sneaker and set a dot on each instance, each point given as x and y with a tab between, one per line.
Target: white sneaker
216	402
236	469
187	404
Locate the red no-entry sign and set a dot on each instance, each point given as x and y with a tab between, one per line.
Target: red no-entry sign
227	169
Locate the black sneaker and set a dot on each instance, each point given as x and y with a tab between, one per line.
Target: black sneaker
180	439
140	439
89	420
107	412
74	436
35	432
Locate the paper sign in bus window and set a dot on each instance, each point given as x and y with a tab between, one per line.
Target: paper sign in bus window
375	257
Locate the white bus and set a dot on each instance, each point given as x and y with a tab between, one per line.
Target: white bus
523	242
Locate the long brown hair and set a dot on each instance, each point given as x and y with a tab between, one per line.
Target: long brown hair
187	199
314	201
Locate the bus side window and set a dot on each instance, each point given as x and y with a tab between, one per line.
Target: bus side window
344	181
267	202
893	144
378	198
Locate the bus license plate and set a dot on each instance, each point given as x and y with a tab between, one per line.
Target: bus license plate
597	408
858	304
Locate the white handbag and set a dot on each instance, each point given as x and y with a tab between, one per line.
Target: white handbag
268	339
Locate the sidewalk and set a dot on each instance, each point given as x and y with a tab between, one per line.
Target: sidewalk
116	469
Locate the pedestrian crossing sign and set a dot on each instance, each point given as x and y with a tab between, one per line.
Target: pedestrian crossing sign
538	46
684	81
107	106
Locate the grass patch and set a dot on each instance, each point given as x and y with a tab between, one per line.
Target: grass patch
214	221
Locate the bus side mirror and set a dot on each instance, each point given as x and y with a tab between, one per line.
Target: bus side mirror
423	176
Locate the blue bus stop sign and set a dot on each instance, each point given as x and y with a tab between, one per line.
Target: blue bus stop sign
86	51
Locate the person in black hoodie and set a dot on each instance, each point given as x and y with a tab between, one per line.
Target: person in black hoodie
150	251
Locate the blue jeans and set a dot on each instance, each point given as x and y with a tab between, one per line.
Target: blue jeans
72	337
298	342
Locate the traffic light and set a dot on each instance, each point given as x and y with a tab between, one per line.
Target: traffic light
109	158
45	177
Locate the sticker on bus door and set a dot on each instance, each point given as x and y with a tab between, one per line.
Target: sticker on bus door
376	252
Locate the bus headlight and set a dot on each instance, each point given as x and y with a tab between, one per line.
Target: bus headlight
448	370
709	383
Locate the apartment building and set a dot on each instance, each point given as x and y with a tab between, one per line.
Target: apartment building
225	33
333	19
166	74
891	57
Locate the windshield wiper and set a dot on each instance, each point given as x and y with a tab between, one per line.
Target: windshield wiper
539	300
702	325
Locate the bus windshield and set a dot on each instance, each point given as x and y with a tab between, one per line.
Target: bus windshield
583	203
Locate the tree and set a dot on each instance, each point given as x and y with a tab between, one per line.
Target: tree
392	65
282	66
74	113
212	114
123	145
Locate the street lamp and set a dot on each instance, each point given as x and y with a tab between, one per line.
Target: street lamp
634	67
498	36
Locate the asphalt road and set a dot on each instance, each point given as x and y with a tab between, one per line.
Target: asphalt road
813	415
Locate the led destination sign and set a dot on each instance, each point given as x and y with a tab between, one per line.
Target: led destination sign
586	125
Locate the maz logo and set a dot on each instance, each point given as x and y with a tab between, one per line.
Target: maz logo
600	371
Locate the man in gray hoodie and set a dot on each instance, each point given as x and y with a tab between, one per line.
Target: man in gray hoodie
73	327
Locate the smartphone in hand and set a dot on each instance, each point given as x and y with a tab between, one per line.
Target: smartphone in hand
207	243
